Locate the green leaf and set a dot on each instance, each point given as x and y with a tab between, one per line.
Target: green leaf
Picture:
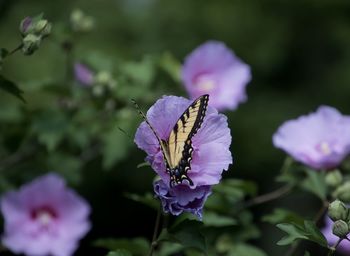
187	233
3	53
315	234
282	215
119	253
307	253
171	65
141	72
11	88
136	246
65	164
115	147
167	248
243	249
294	233
308	231
147	199
227	245
50	126
212	219
315	183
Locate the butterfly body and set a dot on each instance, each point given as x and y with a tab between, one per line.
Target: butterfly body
177	149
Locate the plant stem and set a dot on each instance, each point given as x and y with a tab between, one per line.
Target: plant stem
274	194
15	50
317	218
269	196
155	232
334	247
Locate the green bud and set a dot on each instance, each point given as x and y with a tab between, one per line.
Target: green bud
42	28
80	22
334	178
40	25
343	192
30	44
105	79
340	228
98	90
337	210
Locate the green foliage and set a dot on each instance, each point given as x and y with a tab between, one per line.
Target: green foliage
136	246
308	231
315	183
119	253
70	129
187	233
11	88
212	219
280	215
146	199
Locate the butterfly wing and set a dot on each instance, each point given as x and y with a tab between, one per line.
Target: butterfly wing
180	143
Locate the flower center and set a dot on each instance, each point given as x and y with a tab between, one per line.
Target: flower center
324	148
44	215
205	83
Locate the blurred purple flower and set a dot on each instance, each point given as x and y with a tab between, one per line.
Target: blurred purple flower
83	74
211	153
320	140
213	69
44	217
344	246
182	198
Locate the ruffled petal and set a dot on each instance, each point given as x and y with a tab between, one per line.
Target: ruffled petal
320	140
213	69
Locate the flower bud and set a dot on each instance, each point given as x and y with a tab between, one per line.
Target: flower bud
26	26
30	44
42	28
80	22
337	210
340	228
343	192
35	25
40	25
98	90
334	178
105	79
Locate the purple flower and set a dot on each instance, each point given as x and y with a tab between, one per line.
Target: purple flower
320	140
44	217
213	69
182	198
344	246
211	154
83	74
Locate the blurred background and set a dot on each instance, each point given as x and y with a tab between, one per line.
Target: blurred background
299	53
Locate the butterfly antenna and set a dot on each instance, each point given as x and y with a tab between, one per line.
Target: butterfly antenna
123	131
146	120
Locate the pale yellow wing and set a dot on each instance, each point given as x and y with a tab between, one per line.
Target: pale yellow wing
179	143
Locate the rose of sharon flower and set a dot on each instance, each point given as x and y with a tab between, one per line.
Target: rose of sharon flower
320	140
44	218
211	154
83	74
182	198
213	69
344	246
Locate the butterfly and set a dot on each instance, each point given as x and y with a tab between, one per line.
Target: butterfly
177	149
